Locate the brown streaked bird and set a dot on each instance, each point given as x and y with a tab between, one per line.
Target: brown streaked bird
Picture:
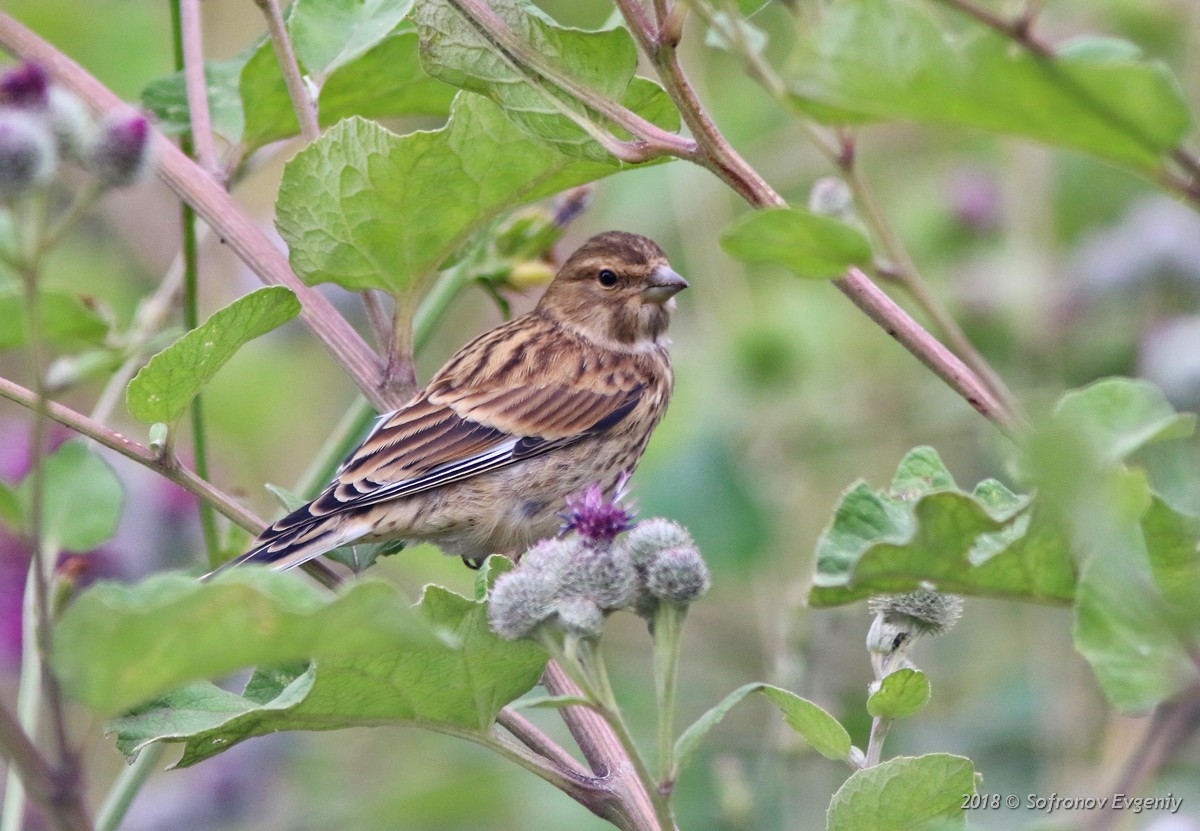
481	461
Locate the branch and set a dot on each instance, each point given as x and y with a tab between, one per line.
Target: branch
604	753
219	210
302	101
24	757
716	154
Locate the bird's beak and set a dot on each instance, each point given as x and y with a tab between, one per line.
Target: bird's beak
664	284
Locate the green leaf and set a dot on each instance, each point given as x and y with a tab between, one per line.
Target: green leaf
365	208
163	388
819	728
82	504
809	245
904	794
12	514
889	59
386	82
900	694
329	34
456	50
167	99
67	320
119	645
1119	416
457	685
925	530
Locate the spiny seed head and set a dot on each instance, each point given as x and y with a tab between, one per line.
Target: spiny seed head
651	536
27	155
603	575
120	149
580	616
920	612
595	517
678	575
25	87
520	601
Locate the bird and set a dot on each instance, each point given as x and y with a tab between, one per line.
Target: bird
482	460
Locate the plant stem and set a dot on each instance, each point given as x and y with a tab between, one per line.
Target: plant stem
66	805
302	102
529	735
128	785
198	142
879	730
189	58
668	641
220	211
604	752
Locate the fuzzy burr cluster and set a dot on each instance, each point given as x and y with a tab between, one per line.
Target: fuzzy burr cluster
574	581
42	125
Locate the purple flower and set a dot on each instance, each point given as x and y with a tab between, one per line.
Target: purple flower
27	87
118	156
596	518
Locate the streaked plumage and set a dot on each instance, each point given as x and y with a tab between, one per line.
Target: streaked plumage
482	459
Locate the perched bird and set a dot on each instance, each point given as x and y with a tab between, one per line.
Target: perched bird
481	461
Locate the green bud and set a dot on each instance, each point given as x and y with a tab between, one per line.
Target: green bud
652	536
604	576
678	575
580	616
27	154
520	601
920	612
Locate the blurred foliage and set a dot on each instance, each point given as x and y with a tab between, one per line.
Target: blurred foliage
1062	269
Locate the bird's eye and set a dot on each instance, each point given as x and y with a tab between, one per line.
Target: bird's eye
607	278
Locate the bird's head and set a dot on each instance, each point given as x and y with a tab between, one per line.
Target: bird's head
616	288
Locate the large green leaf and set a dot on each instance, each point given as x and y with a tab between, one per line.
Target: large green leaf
889	59
66	319
366	208
923	793
458	685
163	388
459	51
808	244
249	101
81	507
118	645
925	530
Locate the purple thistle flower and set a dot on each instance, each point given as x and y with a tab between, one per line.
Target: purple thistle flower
118	156
596	518
26	87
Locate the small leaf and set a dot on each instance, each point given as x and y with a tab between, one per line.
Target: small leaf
66	320
457	683
12	514
923	793
163	388
1122	415
900	694
819	728
83	497
809	245
119	645
167	99
552	702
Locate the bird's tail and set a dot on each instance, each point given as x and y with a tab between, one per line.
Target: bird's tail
296	539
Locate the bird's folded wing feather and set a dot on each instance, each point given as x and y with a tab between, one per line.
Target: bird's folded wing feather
468	423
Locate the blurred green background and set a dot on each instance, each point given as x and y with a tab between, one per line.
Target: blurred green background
1060	268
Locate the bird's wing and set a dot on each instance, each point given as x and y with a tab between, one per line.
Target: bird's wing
526	401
